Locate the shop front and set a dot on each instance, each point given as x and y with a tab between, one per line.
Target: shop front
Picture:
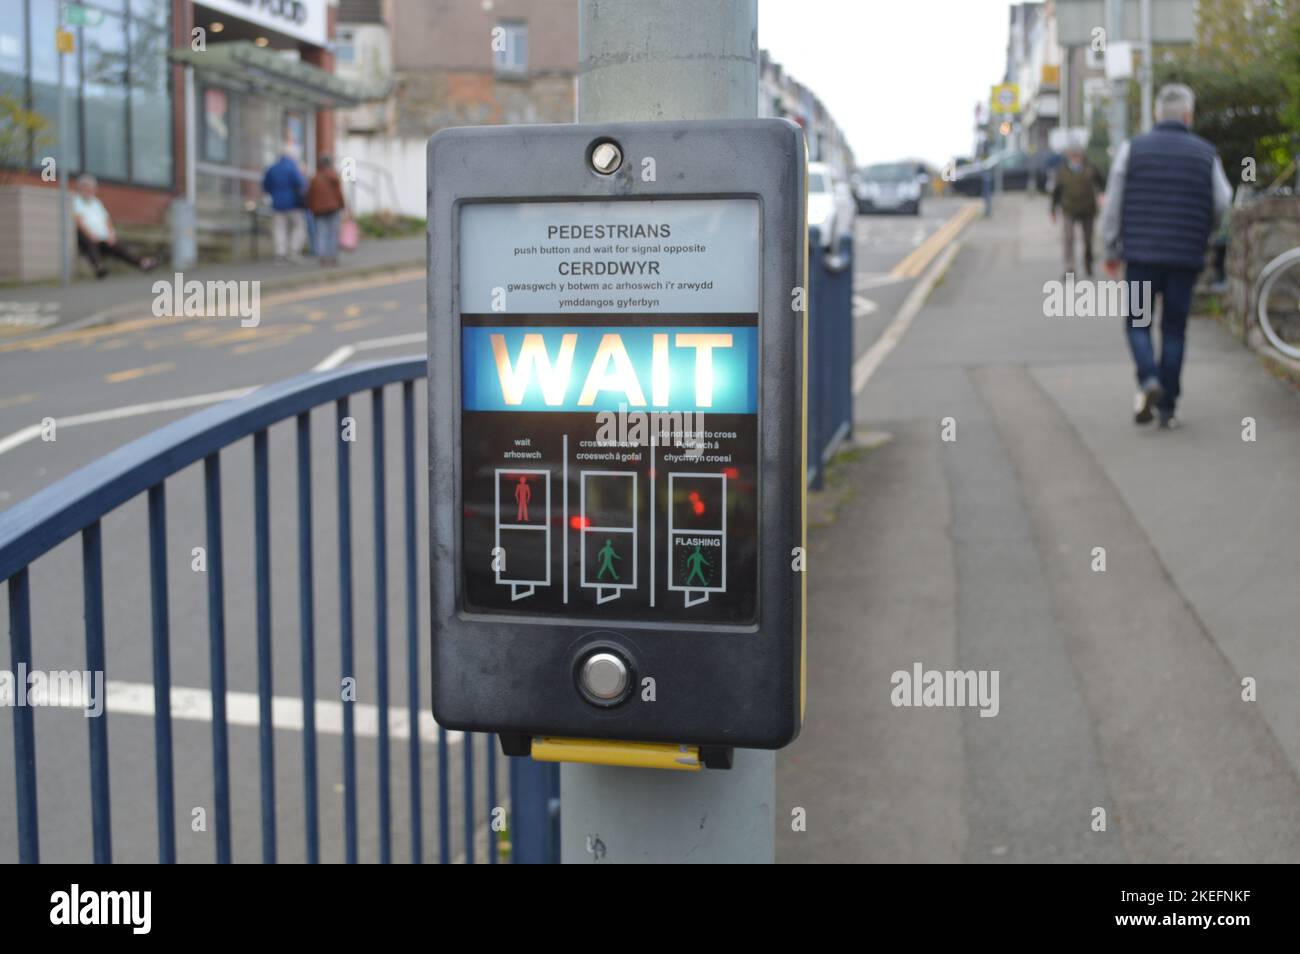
258	85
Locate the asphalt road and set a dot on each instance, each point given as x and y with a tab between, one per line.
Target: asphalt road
104	386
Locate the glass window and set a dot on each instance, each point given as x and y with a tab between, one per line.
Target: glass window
295	134
104	97
216	125
117	86
151	11
345	50
14	144
116	82
510	47
44	66
13	43
151	106
260	137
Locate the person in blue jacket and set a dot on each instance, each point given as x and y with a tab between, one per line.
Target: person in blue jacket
285	184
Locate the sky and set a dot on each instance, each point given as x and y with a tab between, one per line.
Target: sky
901	77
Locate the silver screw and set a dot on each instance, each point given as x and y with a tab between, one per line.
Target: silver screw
606	158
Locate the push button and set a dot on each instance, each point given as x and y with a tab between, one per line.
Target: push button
603	677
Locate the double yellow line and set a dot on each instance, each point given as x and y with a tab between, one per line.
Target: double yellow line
921	256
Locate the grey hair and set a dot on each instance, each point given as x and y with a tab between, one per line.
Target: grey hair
1174	101
86	179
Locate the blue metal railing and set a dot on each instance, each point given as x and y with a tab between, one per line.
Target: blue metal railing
77	504
830	352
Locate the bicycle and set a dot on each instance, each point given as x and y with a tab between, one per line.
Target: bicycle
1277	297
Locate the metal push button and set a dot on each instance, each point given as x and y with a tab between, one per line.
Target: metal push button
603	677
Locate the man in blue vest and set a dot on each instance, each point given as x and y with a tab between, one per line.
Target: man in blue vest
1166	194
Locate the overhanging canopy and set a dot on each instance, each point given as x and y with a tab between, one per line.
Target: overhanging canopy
255	69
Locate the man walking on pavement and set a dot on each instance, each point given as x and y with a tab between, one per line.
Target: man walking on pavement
1166	194
1075	194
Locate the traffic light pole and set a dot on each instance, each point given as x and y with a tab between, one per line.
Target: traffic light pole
642	62
62	164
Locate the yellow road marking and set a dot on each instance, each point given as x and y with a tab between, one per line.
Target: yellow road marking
260	345
17	401
355	324
85	336
352	311
920	257
119	376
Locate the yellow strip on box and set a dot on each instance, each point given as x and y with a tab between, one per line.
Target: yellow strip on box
660	755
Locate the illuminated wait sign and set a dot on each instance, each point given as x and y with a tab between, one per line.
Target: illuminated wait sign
569	368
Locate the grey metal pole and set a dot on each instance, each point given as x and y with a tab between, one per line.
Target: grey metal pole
1148	67
191	138
643	61
61	170
1118	114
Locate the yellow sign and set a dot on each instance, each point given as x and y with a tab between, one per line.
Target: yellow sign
1005	99
1051	75
63	41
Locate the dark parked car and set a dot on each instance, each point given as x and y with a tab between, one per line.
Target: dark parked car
888	187
1019	169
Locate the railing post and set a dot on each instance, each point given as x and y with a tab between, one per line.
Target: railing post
92	568
20	658
262	580
534	826
816	316
162	678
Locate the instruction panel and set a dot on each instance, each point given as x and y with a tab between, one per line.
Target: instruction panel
609	431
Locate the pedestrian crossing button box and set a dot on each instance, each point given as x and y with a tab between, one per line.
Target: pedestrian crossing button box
616	390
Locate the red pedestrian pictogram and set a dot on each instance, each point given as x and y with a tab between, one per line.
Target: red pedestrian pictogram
523	494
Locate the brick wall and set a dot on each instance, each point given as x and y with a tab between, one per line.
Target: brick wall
128	205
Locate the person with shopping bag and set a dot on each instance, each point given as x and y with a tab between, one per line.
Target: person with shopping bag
327	205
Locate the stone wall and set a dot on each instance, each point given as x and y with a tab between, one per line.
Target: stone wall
1261	231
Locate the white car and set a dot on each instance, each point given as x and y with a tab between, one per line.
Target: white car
830	204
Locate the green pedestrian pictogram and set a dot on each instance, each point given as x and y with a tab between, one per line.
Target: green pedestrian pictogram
607	556
695	564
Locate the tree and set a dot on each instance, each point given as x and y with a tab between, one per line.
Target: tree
20	130
1245	70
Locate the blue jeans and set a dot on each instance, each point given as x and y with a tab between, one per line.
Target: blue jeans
1173	284
327	235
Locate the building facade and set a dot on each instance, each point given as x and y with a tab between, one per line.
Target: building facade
168	99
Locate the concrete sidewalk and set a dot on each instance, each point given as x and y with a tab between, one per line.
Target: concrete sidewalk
36	308
1120	690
